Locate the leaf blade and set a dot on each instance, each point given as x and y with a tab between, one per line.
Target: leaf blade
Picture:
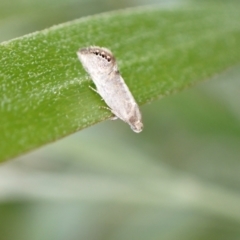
45	93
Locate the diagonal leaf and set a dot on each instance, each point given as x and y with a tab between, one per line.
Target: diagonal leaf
45	92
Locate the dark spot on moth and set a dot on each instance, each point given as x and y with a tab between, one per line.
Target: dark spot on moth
102	54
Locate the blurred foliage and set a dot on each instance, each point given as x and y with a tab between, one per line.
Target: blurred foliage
178	179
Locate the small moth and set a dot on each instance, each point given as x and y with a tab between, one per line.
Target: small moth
102	68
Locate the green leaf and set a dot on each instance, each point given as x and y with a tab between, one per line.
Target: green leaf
45	92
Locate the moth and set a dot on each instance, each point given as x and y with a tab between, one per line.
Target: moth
101	65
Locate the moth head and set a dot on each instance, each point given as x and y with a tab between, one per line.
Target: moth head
96	59
137	126
135	121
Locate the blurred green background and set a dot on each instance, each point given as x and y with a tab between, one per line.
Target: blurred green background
178	179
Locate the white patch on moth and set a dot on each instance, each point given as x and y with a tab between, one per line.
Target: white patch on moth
102	68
